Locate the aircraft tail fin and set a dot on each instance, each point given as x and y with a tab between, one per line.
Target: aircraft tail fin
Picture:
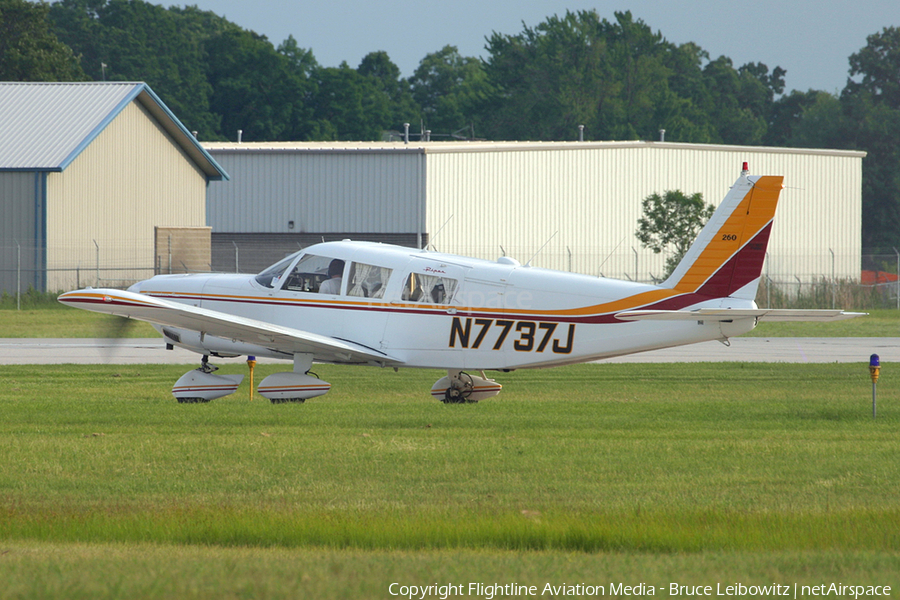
727	257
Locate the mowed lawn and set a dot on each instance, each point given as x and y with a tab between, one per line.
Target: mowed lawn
596	474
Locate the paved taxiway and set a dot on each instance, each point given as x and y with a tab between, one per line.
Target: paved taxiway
153	351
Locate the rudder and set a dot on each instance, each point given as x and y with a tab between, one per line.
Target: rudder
727	257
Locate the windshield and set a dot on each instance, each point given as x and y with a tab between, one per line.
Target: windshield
272	275
311	274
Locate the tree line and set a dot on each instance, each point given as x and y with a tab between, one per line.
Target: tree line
618	78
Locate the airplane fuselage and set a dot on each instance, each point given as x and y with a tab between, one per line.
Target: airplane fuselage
442	311
364	303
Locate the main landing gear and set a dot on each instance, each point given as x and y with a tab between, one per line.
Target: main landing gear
459	387
200	385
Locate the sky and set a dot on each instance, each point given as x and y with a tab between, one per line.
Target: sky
812	40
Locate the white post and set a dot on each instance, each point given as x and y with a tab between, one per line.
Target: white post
18	276
97	261
898	278
635	263
833	281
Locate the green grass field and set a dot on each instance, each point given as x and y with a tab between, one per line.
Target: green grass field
877	323
593	474
69	323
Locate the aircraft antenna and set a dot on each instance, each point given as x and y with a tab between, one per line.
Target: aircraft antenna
438	232
528	264
608	256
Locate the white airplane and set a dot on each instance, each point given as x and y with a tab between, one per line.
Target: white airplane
389	306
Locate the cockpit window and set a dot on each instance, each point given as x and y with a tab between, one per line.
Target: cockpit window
315	273
428	289
271	276
368	281
324	275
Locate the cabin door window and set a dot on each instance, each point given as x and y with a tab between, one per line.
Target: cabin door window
368	281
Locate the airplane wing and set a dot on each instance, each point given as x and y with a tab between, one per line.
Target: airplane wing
730	314
223	325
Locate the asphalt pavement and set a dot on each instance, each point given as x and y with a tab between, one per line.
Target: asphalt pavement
14	351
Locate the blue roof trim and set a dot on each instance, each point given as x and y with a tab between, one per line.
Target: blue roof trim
138	89
101	126
32	170
223	174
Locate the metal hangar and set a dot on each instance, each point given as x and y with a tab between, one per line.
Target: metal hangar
563	205
88	173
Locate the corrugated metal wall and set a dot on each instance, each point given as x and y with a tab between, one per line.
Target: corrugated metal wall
587	198
130	179
319	191
253	252
20	258
582	199
17	205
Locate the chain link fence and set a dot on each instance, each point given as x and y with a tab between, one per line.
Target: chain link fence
25	268
873	284
876	286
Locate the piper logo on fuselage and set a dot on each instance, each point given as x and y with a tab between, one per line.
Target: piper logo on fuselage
530	336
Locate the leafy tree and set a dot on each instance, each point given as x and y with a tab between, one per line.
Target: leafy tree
737	107
215	76
773	82
122	40
671	222
871	110
301	59
619	79
879	65
811	119
386	77
639	55
29	49
551	78
787	113
449	88
302	64
348	105
255	88
875	128
690	121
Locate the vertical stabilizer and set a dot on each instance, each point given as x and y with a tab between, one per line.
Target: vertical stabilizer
727	257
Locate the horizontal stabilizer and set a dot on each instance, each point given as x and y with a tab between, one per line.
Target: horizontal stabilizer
219	324
731	314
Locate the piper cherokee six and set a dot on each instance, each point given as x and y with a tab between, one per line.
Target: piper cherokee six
375	304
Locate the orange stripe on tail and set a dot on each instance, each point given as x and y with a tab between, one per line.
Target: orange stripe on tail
727	257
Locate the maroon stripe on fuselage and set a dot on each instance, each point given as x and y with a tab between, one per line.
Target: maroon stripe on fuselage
738	271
